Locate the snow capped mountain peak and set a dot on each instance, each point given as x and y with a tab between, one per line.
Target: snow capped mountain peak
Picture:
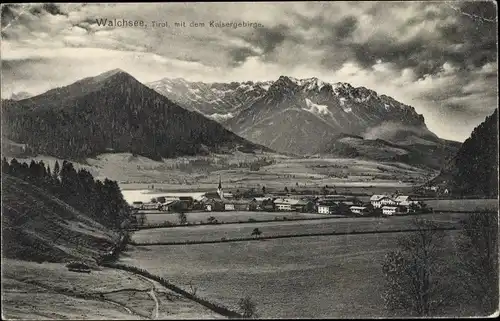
320	110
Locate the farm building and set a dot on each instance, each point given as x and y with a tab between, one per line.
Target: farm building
138	205
392	210
288	204
239	205
403	200
229	206
379	201
264	204
167	206
360	210
326	209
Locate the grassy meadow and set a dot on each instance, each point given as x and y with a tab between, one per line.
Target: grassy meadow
339	225
228	217
308	277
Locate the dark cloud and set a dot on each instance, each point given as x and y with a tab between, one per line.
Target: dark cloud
240	55
345	27
7	14
468	42
53	9
265	40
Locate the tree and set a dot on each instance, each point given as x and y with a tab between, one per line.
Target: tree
256	232
413	271
263	190
247	307
141	219
286	189
56	170
182	218
478	260
5	166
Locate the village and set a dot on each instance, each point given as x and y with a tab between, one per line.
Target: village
348	205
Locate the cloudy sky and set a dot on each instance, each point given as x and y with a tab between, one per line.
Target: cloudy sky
440	57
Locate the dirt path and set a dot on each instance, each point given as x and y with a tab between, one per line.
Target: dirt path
152	294
96	296
120	305
154	313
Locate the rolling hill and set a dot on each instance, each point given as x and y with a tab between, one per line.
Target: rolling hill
419	153
113	112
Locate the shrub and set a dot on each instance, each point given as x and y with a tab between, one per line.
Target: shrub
247	307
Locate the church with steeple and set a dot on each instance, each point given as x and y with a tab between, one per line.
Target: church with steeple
220	192
218	195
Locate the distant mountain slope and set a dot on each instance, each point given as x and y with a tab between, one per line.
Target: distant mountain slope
113	112
474	169
351	146
37	225
320	111
20	95
300	116
219	101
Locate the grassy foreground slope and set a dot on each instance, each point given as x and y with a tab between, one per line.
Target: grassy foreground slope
38	226
39	233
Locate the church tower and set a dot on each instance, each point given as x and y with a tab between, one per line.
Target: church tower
219	189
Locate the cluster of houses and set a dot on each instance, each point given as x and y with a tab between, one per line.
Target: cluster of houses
331	204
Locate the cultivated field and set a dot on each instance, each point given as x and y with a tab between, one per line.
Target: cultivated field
229	217
339	225
315	277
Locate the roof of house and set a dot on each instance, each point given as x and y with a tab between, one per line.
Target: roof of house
325	205
334	197
213	195
168	203
243	202
289	201
402	198
377	197
390	207
260	199
357	207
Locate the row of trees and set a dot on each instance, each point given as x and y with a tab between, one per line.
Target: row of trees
102	201
423	279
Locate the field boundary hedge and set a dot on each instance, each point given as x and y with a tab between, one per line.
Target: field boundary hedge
245	239
210	305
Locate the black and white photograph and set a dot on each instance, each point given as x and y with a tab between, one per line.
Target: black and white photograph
249	160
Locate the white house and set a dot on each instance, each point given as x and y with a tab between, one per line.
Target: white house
228	206
361	210
288	204
403	200
390	210
325	209
381	200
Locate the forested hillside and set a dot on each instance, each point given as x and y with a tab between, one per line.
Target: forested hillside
60	213
474	170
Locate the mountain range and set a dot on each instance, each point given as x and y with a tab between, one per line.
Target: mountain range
307	116
113	112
